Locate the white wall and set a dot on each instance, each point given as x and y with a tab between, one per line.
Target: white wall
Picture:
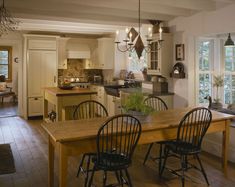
186	31
15	40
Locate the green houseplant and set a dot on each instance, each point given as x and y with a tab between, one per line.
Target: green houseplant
134	105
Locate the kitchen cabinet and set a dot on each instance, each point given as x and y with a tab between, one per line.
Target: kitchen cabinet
48	44
160	60
35	106
41	73
105	53
62	53
113	105
100	96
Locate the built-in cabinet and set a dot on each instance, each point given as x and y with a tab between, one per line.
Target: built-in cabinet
104	55
62	53
41	71
100	96
113	105
161	57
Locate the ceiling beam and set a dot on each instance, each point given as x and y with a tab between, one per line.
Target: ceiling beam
101	8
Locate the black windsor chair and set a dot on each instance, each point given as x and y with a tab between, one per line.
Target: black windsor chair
87	110
158	105
116	142
191	131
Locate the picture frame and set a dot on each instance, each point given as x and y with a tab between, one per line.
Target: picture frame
179	52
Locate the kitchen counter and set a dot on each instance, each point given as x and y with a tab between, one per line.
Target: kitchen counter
64	101
75	91
145	91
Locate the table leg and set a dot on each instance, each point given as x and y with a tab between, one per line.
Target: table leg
45	109
63	166
59	109
225	146
51	150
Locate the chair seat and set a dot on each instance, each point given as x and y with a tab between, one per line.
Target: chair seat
6	93
182	147
112	161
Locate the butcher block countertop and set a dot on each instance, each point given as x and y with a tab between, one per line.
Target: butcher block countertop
75	91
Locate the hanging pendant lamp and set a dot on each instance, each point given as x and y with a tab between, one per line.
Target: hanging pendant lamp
229	42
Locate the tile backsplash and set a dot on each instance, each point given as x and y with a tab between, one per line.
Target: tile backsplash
75	68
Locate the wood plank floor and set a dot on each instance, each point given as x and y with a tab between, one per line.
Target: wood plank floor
29	145
8	109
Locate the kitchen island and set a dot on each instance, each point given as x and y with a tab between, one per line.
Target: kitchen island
63	100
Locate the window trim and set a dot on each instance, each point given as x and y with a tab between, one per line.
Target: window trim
9	49
210	71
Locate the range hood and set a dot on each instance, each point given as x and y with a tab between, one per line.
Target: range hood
76	50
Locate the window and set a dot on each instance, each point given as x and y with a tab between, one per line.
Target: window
204	68
6	62
135	64
229	75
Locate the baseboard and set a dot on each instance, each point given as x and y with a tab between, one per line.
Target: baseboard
215	148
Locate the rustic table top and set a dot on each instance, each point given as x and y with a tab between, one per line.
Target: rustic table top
82	129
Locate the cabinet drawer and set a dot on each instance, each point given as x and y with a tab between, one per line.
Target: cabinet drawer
42	44
35	106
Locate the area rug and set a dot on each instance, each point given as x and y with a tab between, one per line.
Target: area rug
6	159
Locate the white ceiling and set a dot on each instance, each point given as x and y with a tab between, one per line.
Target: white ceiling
101	16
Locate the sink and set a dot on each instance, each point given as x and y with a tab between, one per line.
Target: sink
114	89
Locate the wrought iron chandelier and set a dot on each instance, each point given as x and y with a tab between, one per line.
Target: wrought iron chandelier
133	40
7	22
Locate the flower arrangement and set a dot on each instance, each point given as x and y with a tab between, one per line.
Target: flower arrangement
218	81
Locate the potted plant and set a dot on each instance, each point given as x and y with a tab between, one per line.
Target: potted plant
218	81
135	106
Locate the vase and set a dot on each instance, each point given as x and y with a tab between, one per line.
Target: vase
139	115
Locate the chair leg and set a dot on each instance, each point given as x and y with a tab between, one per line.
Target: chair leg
160	158
121	177
166	153
183	164
117	177
87	169
91	178
80	165
104	178
128	178
202	169
148	152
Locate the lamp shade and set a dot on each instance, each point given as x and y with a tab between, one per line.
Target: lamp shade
229	42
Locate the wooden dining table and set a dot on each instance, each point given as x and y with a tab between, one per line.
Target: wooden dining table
73	138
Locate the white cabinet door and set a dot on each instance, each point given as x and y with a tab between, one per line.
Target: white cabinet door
49	68
111	105
35	76
160	58
35	106
42	44
62	53
106	53
41	73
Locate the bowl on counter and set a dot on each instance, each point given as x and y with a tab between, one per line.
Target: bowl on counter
66	87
